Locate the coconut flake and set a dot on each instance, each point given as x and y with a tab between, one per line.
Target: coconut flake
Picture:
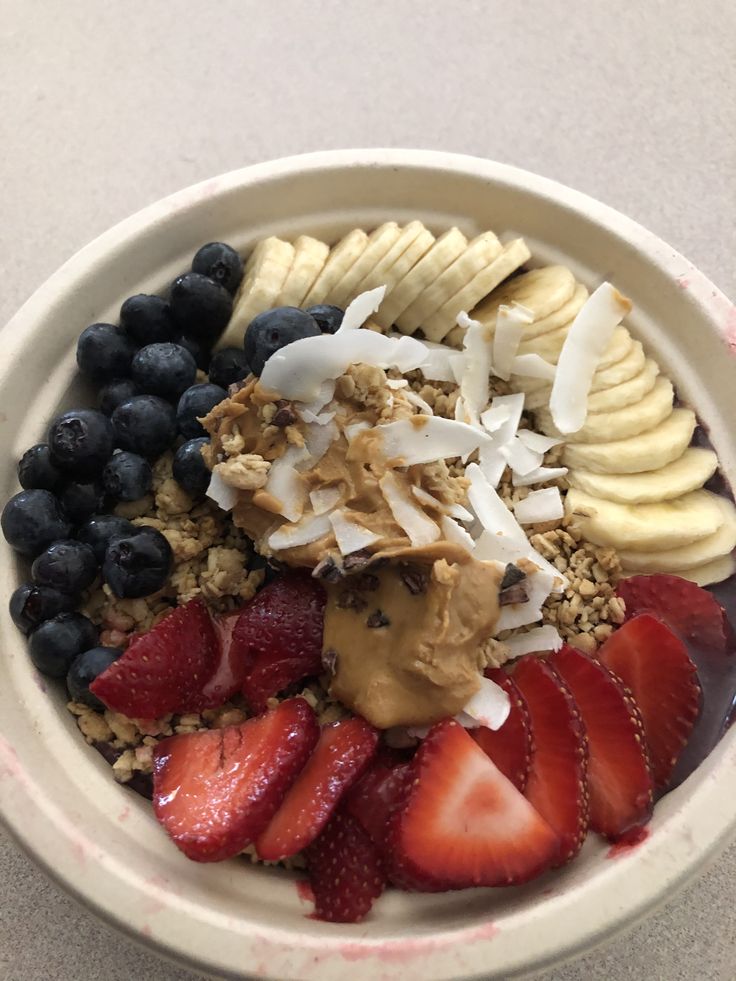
474	383
493	418
324	395
520	458
420	529
490	510
317	440
492	462
435	439
320	420
489	707
539	476
540	506
427	499
354	428
533	366
361	308
224	496
538	640
536	441
438	364
455	533
397	382
510	323
324	499
418	401
285	484
581	353
538	585
515	405
351	537
311	528
459	512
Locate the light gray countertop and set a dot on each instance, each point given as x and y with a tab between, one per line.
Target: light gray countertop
106	107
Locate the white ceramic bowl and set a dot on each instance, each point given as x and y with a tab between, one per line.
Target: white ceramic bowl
101	841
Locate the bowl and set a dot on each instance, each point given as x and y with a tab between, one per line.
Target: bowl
99	840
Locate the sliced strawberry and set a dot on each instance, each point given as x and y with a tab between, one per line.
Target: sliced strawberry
376	795
278	639
619	779
214	791
165	669
229	672
510	747
653	662
343	752
346	871
558	781
463	823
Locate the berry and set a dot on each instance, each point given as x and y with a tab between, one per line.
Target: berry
346	871
104	352
36	469
214	791
101	529
32	520
653	663
147	319
56	642
81	501
127	476
200	351
116	392
327	317
84	669
81	441
343	752
197	402
68	566
163	369
226	679
165	669
228	366
189	469
274	329
137	565
619	780
278	638
510	747
558	783
31	604
378	793
201	307
220	262
145	425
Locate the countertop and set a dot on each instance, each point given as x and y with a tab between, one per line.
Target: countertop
107	107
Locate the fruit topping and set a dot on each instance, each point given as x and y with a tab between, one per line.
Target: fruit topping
116	392
220	262
378	793
137	565
273	330
80	501
31	604
229	365
56	642
81	441
197	401
104	352
327	317
68	565
102	529
189	469
32	520
510	746
215	791
36	469
341	755
127	476
619	779
201	307
84	669
147	319
165	369
145	424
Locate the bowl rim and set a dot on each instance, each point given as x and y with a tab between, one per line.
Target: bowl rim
685	849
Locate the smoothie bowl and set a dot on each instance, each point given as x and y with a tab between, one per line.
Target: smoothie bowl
375	556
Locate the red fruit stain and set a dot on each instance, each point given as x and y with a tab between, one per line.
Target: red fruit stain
629	841
410	949
304	891
124	814
146	930
683	282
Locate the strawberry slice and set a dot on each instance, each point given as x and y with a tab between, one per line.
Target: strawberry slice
619	779
376	795
653	662
214	791
229	673
165	669
558	783
346	871
510	747
463	822
278	639
343	752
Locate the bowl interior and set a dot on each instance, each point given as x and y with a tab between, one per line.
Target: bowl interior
99	839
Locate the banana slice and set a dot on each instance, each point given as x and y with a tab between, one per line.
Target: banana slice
379	242
648	451
619	396
565	315
310	256
704	575
620	371
689	472
442	324
341	258
646	527
263	278
481	251
543	291
721	542
413	241
444	252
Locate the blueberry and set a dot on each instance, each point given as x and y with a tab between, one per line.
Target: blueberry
80	501
32	520
190	470
104	351
81	441
194	403
101	530
127	476
31	604
328	318
137	565
274	329
35	469
200	351
201	307
117	391
164	369
220	262
84	669
69	566
228	366
147	319
56	642
145	425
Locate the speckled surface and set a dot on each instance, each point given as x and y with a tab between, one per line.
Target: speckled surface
106	107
